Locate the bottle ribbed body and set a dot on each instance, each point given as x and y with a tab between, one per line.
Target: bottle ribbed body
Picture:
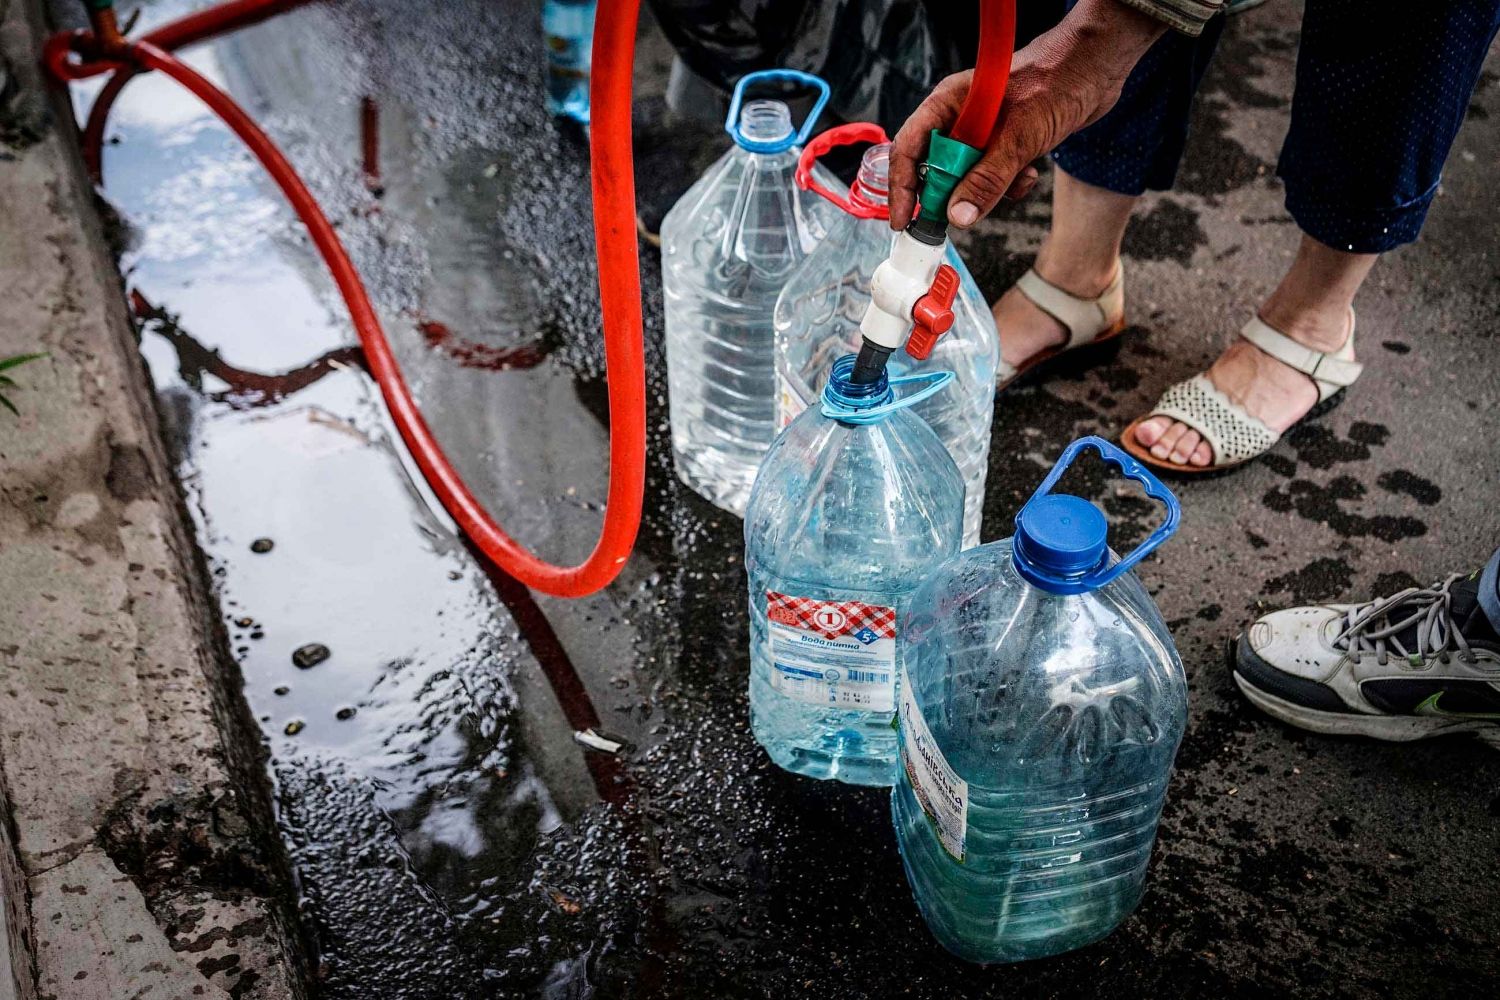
728	246
817	319
1049	723
844	524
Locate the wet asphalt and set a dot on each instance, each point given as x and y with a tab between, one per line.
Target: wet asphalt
450	835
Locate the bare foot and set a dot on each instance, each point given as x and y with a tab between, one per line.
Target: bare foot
1275	393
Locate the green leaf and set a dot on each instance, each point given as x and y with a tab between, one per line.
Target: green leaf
9	405
8	382
20	359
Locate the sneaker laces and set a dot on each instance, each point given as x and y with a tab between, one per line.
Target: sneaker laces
1372	628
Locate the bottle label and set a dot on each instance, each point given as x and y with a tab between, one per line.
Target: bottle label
836	653
789	402
941	793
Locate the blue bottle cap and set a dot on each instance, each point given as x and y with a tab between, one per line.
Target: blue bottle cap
1060	543
1059	540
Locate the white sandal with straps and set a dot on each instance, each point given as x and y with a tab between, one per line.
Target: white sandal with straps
1088	321
1230	431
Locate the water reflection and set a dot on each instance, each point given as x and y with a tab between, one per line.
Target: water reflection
450	834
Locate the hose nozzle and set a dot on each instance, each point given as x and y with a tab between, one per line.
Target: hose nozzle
947	162
869	365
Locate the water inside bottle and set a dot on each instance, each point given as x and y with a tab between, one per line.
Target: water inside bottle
845	522
1040	712
817	319
728	247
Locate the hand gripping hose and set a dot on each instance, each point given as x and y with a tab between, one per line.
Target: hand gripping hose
104	51
910	283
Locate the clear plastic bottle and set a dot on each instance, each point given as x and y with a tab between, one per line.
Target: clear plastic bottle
847	517
1041	710
817	319
728	246
568	27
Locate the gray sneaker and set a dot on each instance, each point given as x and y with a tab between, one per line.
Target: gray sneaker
1424	662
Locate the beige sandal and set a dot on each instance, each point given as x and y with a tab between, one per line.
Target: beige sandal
1088	321
1235	436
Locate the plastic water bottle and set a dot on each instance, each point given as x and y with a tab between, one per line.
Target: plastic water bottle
568	26
1041	709
728	246
856	503
817	319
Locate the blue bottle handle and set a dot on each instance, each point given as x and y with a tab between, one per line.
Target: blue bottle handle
1131	469
732	122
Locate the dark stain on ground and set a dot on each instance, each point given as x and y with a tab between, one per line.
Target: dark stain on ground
1317	445
1215	163
1396	346
129	476
1424	491
1169	231
1320	580
1370	434
1387	584
1279	464
1324	505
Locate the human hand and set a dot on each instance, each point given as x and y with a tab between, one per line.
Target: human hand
1067	78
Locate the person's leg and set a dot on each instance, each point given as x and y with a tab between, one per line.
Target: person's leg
1079	256
1311	305
1489	591
1373	118
1101	171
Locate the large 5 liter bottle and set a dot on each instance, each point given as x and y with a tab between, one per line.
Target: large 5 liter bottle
856	503
818	313
728	246
1040	712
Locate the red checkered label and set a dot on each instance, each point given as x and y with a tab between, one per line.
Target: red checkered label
832	619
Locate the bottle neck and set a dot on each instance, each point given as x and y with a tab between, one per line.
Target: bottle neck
871	186
844	393
764	122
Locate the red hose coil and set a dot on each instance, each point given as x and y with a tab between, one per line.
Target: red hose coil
614	238
615	241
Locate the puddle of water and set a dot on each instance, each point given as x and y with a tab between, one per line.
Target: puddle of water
450	835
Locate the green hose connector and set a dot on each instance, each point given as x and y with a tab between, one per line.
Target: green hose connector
947	162
101	4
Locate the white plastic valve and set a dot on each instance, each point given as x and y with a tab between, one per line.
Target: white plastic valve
903	278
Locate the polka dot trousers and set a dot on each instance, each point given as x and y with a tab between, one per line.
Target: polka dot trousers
1381	90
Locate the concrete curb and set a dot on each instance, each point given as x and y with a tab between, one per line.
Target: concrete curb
141	833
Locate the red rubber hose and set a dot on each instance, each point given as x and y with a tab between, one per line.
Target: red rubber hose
619	282
196	27
997	40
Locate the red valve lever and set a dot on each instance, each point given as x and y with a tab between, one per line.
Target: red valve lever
933	313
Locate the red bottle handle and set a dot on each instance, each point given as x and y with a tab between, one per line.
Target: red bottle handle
842	135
